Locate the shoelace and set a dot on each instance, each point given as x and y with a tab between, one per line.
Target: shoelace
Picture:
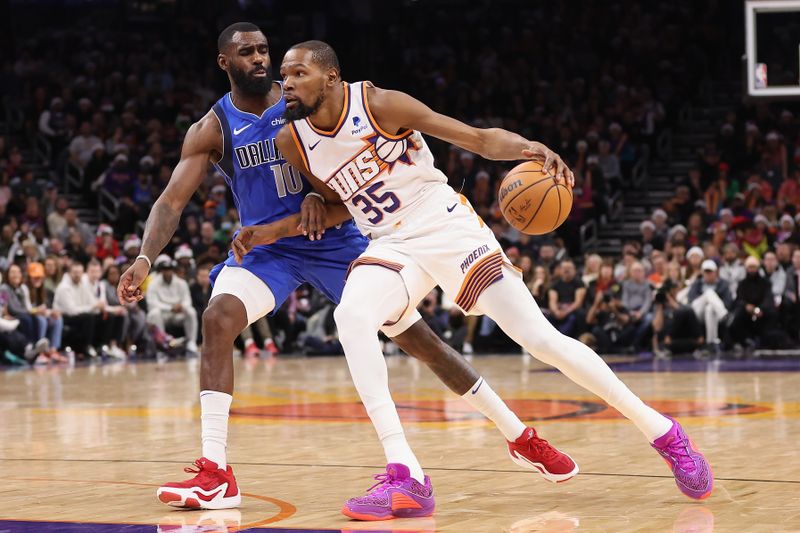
384	479
198	463
542	447
679	449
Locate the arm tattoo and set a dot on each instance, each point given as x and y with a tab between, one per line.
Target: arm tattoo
161	225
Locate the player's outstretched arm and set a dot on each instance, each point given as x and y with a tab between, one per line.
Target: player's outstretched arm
251	236
396	111
202	142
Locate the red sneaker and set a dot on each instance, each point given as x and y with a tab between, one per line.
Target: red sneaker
252	351
533	453
271	347
211	488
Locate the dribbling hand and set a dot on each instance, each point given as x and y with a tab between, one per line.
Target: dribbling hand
128	290
552	162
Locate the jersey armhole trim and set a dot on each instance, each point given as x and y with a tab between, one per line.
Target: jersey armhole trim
300	147
226	167
374	122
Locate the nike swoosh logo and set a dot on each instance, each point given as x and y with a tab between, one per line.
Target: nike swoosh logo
475	390
240	130
312	146
210	496
450	209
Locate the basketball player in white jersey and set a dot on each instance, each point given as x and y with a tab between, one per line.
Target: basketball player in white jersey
362	146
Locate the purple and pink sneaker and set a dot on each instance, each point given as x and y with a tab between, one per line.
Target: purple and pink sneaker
691	470
395	495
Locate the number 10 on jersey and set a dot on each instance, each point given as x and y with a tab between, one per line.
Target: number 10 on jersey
287	179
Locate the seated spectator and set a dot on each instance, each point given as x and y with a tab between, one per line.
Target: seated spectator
789	191
659	219
111	323
658	269
637	298
40	300
710	297
56	221
320	336
790	306
774	272
52	273
787	231
80	309
751	239
107	245
675	326
14	298
134	324
696	229
565	300
539	286
184	263
591	268
754	313
610	324
169	301
694	258
731	270
650	239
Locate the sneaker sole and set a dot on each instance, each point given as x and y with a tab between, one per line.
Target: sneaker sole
188	498
539	468
364	516
374	518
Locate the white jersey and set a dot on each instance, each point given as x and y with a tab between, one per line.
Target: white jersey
380	177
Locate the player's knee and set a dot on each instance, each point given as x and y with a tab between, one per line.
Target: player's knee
343	315
221	320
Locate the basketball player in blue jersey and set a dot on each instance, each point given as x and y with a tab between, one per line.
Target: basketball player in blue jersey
362	147
238	137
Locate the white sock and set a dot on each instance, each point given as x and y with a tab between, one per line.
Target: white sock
484	400
509	303
397	450
358	317
215	407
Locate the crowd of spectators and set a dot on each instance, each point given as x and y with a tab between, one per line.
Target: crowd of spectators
113	107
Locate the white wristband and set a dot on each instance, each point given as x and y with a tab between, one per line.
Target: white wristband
318	195
149	264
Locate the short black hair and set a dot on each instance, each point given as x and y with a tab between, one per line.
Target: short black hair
321	53
226	36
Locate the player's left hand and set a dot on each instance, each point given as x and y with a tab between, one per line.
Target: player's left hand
250	237
312	218
552	162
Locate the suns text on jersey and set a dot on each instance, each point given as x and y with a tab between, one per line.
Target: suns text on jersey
356	173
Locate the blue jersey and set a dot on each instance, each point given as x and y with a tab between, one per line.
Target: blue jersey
265	189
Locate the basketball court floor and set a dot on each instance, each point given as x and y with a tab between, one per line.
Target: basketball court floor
84	449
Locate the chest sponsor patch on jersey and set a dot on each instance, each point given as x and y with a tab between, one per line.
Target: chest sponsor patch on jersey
377	155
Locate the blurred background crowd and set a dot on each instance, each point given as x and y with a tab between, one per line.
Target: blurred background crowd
93	115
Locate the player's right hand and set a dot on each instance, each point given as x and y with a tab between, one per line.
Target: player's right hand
312	217
128	290
252	236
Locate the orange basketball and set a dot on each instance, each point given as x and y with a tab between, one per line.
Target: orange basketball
532	200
